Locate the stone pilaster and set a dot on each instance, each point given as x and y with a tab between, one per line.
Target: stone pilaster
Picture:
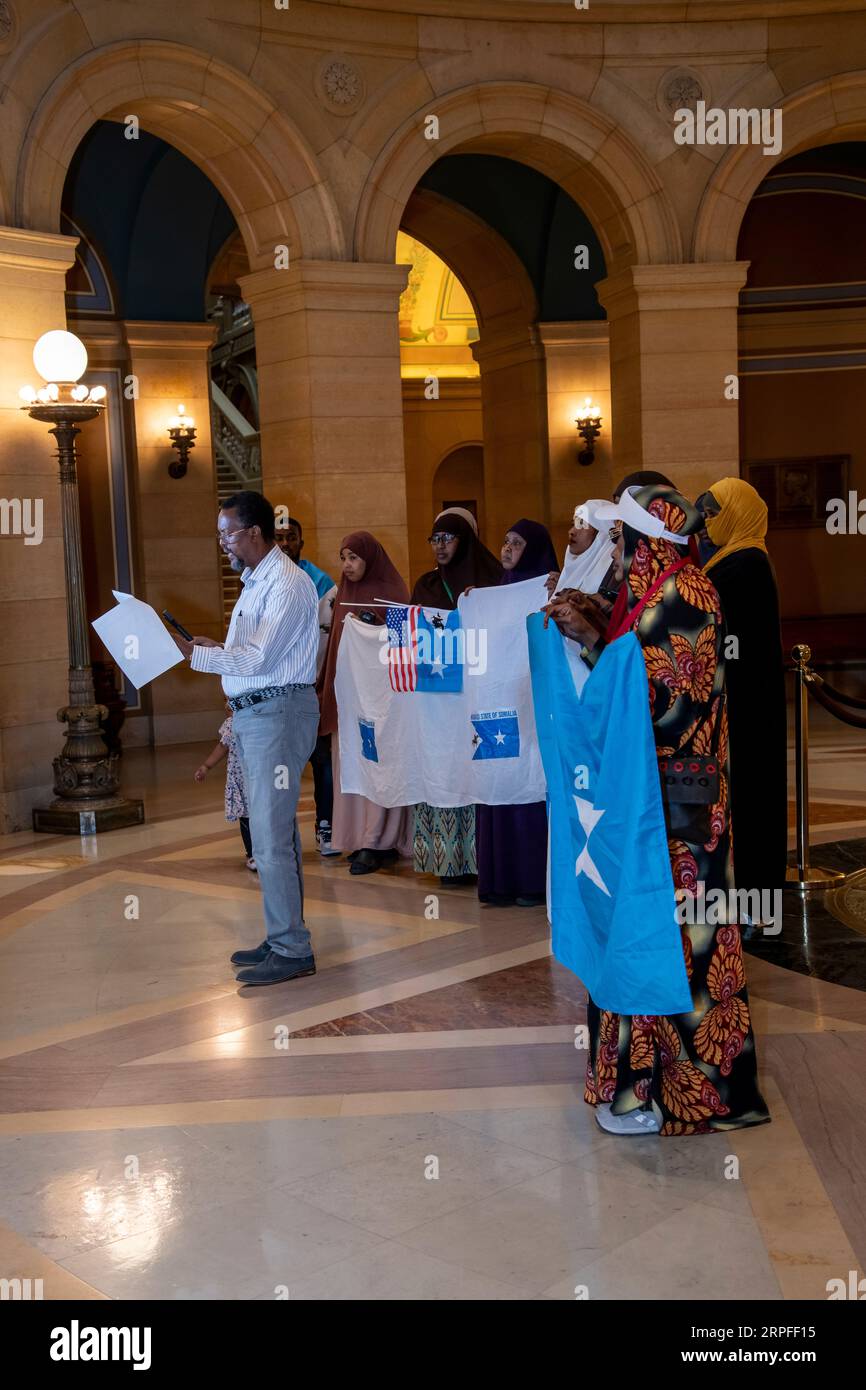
673	343
34	660
331	409
514	410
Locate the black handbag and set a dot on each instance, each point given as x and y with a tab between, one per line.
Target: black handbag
694	779
690	779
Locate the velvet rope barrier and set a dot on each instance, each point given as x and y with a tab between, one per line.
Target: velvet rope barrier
857	721
853	700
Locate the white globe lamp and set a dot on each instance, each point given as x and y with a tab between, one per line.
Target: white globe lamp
60	356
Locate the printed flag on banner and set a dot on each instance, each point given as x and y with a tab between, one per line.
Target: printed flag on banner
442	712
612	904
368	740
424	653
497	734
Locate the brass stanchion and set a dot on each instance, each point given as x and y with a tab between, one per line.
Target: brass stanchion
805	876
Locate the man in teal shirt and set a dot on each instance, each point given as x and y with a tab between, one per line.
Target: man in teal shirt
290	539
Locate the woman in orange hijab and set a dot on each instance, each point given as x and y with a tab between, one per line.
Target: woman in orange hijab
737	563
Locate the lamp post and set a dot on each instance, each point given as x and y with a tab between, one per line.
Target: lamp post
86	779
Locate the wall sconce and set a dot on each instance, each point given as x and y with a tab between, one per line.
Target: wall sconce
181	432
589	428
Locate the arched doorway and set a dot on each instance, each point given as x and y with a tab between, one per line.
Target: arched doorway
529	260
459	482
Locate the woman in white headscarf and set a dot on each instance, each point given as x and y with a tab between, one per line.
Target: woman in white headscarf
589	553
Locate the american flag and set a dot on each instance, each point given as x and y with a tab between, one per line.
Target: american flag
402	647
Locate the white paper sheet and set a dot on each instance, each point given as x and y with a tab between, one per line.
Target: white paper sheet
137	639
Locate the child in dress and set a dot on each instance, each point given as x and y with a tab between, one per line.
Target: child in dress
236	799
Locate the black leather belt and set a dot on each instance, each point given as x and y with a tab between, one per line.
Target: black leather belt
270	692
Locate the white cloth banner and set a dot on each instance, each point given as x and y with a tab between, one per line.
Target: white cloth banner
477	745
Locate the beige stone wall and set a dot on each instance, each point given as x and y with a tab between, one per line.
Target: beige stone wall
33	653
673	346
312	122
578	365
177	519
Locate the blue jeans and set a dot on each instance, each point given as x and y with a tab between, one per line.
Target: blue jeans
274	741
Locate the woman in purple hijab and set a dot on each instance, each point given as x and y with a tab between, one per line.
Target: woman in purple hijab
511	841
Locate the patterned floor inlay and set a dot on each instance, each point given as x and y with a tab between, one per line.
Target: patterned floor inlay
540	992
165	1134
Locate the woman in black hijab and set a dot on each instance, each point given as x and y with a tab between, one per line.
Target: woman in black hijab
462	562
512	840
445	835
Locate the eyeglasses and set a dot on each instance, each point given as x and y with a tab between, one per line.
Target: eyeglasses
441	538
230	535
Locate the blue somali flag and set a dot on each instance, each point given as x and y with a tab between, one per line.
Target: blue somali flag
612	905
425	654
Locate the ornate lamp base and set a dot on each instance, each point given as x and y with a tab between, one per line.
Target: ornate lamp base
88	817
86	781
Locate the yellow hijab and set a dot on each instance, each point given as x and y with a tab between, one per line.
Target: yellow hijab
740	524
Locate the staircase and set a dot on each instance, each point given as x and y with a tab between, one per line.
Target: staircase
237	457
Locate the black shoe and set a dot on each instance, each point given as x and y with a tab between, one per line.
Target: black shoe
275	970
366	861
531	900
254	957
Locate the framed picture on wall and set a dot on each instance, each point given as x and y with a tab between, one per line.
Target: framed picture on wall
797	490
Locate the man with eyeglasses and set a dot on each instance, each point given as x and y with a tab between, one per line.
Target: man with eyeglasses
268	669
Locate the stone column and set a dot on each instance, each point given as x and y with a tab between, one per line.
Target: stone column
178	557
578	365
331	408
514	410
34	660
673	342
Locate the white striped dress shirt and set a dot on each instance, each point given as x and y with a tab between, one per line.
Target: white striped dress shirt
273	635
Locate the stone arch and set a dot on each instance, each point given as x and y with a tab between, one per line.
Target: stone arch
508	353
577	146
213	114
823	113
492	274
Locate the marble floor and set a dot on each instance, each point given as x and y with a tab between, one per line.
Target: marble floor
407	1124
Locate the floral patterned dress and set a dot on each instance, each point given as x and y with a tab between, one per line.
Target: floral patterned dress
696	1071
236	796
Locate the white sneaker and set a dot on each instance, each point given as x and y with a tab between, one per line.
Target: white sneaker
636	1122
323	839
